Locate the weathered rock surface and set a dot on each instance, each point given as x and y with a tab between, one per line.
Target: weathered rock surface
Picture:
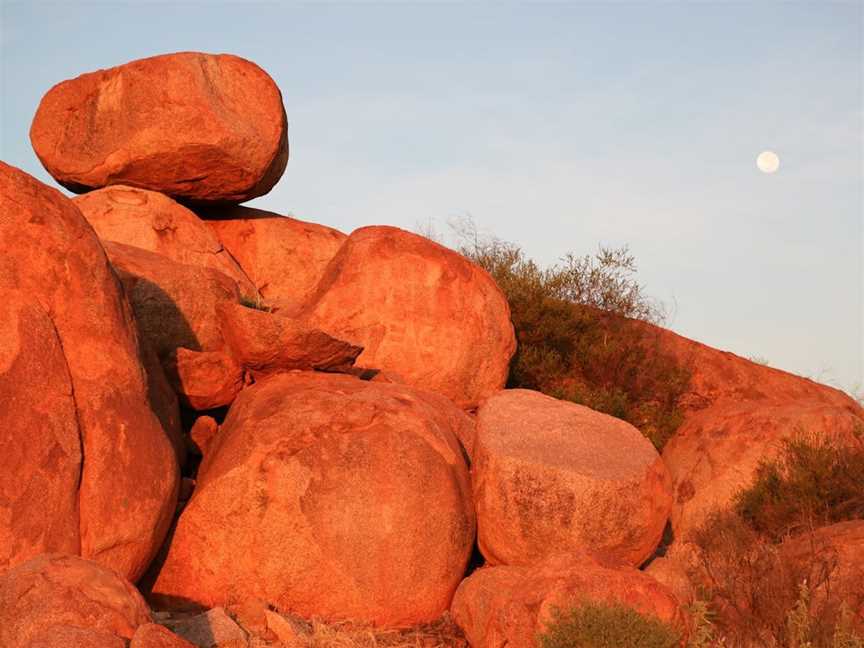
163	401
551	476
55	598
284	257
835	551
204	379
320	478
268	342
203	430
509	606
174	304
716	452
418	309
152	221
198	127
152	635
87	467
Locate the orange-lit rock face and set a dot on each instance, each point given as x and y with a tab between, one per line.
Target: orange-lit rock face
716	452
198	127
284	257
152	221
327	496
510	606
551	477
174	304
417	309
82	446
55	598
267	342
204	379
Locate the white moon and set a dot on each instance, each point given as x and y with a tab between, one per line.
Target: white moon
768	162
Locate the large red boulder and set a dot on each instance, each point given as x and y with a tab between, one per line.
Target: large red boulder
198	127
61	601
509	606
418	309
551	477
174	303
716	452
87	467
284	257
152	221
327	496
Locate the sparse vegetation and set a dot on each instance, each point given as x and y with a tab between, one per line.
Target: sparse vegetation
577	339
592	624
759	598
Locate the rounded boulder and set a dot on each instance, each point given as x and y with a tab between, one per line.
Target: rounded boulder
418	309
327	496
198	127
551	477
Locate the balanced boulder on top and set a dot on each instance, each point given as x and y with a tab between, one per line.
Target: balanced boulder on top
198	127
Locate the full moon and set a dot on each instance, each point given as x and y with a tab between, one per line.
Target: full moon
768	162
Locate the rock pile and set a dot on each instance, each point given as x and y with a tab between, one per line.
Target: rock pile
333	406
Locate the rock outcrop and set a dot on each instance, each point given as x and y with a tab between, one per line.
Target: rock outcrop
510	606
284	257
198	127
60	601
551	477
152	221
418	309
204	379
328	496
87	467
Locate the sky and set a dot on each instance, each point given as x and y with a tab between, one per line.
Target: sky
559	127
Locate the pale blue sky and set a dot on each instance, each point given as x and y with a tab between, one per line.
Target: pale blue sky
558	127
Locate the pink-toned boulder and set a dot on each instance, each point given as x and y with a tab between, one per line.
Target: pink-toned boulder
716	452
284	257
87	467
152	635
418	309
553	477
509	606
265	342
152	221
199	127
204	379
56	598
174	304
327	496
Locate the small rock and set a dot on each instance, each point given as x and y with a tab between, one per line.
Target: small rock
285	630
204	429
204	380
213	629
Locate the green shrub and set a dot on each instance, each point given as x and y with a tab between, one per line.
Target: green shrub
812	484
606	625
577	336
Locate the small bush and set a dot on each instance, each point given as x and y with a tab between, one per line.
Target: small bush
606	625
577	336
812	484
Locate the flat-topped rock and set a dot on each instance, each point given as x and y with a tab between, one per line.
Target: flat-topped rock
551	476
